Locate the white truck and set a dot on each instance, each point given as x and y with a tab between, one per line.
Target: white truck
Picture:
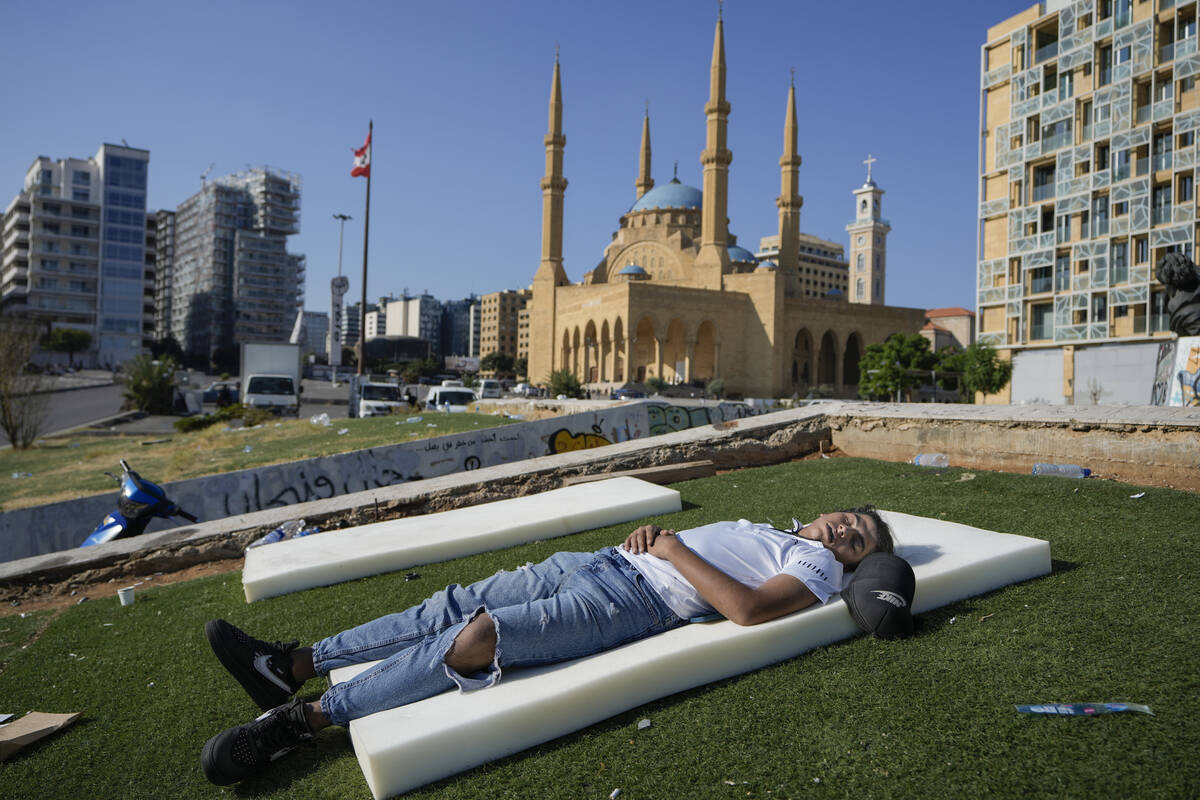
374	397
271	374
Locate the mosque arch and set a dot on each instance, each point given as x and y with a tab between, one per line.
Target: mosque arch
802	360
605	355
591	373
704	353
850	359
827	366
565	361
620	351
574	366
644	361
675	366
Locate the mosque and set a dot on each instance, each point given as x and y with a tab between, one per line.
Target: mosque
676	297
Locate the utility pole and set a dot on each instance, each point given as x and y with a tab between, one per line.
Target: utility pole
337	287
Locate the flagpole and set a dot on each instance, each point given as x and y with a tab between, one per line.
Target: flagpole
362	306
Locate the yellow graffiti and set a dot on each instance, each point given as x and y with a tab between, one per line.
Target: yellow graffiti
563	441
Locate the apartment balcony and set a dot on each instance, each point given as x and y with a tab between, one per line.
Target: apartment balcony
1142	114
1045	52
1043	192
1041	285
1162	161
1160	215
1166	53
1142	166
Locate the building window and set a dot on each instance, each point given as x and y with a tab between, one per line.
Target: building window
1120	262
81	179
1062	272
1141	250
878	262
860	262
1040	319
859	289
1186	188
877	287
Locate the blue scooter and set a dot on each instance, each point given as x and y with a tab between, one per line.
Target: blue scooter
139	502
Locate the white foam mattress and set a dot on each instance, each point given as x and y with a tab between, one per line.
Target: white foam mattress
407	747
336	556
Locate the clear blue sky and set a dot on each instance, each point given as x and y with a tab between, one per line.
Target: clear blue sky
459	91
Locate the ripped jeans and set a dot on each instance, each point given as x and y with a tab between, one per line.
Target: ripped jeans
568	606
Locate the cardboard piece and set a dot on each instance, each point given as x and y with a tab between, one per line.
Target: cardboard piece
29	728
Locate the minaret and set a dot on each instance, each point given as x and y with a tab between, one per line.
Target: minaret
868	243
712	262
789	200
644	182
550	273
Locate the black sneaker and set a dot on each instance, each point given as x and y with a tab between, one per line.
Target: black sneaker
243	750
264	669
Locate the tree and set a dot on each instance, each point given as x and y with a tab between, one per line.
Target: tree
715	387
22	409
69	341
497	363
167	347
982	370
656	384
521	366
564	382
898	365
149	384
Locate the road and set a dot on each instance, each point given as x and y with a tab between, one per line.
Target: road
69	409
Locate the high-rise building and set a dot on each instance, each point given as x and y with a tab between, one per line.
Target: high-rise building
456	326
164	261
1088	119
498	321
822	264
420	317
476	314
74	250
233	280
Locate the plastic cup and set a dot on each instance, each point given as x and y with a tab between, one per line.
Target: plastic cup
126	595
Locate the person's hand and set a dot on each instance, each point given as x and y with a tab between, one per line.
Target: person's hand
642	538
664	544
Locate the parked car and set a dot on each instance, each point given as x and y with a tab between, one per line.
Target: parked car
489	388
212	392
448	396
628	393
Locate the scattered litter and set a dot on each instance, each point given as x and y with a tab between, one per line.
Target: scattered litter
285	531
413	419
816	780
643	724
148	685
81	600
247	449
1083	709
430	424
931	460
107	625
15	603
966	476
277	424
343	431
1137	496
824	455
1061	470
953	619
412	576
615	794
307	532
321	419
985	616
29	728
18	475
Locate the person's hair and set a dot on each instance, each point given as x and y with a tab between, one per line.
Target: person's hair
885	542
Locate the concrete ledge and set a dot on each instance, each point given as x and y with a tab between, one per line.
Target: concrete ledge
751	441
1138	444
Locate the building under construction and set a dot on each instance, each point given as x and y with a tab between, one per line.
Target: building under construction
233	280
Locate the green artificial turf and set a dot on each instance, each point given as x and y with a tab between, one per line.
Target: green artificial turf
929	716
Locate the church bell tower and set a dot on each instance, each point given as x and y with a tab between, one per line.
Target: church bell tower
868	244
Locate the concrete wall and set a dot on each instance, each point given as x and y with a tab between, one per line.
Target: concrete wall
1120	373
61	526
1037	377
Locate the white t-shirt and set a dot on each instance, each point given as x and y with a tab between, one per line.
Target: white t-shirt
749	553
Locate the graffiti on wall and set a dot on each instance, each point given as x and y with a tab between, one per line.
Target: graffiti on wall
62	526
1177	375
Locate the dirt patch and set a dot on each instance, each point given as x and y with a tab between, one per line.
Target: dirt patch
55	597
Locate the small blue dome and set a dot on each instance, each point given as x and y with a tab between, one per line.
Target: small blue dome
768	265
633	269
741	255
669	195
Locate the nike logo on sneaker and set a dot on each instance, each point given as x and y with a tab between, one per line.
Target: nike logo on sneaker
264	668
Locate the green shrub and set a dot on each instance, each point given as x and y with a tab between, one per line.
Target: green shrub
196	423
656	384
564	382
149	384
256	416
715	387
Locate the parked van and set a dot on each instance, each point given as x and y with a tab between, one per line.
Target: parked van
449	396
489	388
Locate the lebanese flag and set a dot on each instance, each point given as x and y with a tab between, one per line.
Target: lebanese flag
362	160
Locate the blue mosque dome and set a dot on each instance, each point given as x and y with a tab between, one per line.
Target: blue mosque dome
768	265
633	269
669	195
741	255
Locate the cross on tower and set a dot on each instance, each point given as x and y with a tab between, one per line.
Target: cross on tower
870	160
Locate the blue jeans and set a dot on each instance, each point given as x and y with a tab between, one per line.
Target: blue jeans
568	606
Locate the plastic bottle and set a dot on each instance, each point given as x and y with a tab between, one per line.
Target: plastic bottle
285	531
932	460
1061	470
